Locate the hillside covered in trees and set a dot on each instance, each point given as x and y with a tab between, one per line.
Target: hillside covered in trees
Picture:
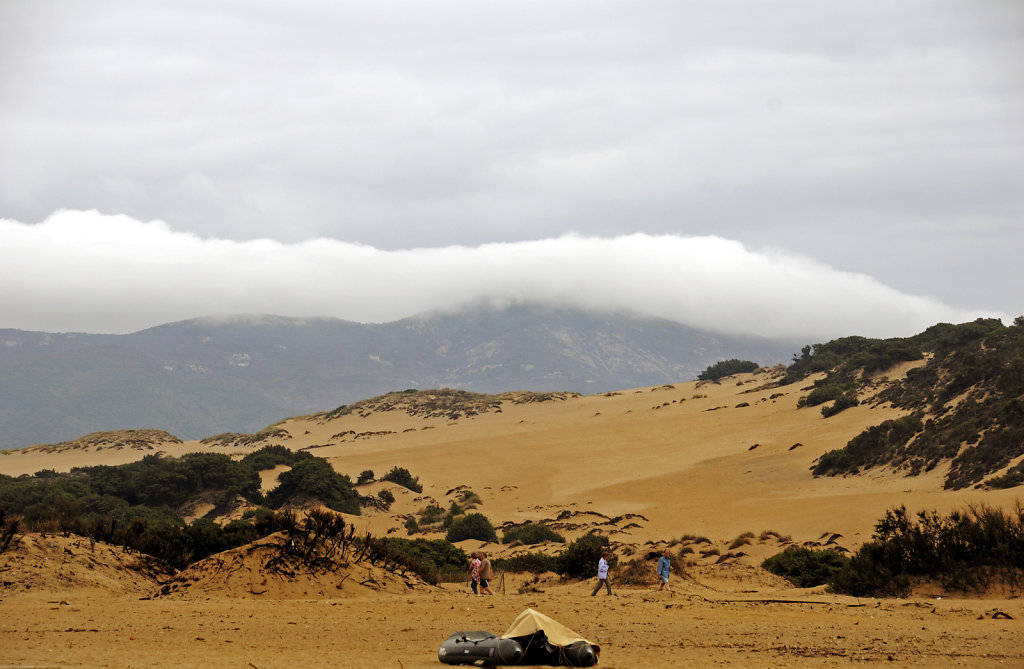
964	402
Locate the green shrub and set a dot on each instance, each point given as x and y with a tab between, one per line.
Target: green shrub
963	551
533	563
843	402
454	511
432	559
472	526
971	384
431	514
823	393
579	559
875	445
269	457
403	477
1010	479
806	567
530	534
468	498
727	368
315	477
365	476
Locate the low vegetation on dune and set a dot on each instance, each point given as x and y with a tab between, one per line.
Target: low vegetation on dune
806	567
117	440
434	518
237	439
404	478
725	368
139	505
964	403
530	533
306	547
446	403
970	551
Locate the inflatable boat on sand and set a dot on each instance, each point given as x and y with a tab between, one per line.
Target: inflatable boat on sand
532	639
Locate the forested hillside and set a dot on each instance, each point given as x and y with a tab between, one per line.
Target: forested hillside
964	403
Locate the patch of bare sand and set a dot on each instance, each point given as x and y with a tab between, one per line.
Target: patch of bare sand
56	564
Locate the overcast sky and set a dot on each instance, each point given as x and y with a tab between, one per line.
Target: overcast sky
809	168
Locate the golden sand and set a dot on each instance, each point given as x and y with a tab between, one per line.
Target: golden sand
644	466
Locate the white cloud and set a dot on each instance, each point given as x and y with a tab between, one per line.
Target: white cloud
883	140
86	271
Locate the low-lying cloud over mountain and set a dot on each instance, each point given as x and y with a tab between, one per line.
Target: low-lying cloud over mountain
89	272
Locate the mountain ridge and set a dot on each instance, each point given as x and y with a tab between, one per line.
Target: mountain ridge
238	373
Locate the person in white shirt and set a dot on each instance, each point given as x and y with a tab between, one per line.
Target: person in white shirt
602	575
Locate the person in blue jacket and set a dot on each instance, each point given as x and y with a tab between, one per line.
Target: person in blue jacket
602	575
664	568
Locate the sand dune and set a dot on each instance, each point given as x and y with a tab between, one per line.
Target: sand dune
645	466
717	459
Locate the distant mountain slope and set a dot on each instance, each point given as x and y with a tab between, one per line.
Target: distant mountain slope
204	376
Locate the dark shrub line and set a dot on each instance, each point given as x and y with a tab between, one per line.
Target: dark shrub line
966	551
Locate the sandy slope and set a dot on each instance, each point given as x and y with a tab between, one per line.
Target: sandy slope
689	457
706	459
715	459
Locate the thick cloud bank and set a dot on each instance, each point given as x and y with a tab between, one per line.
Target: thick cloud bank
86	271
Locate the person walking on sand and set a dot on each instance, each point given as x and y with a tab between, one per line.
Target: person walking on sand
474	573
602	575
485	573
664	568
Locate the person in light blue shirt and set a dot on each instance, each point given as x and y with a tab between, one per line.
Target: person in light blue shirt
664	568
602	575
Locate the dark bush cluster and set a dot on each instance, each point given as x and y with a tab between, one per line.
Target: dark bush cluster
269	457
876	445
842	395
315	478
315	543
472	526
579	559
842	403
433	560
530	534
533	563
1011	479
9	526
727	368
321	541
843	357
433	514
971	386
403	477
965	551
135	505
806	567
